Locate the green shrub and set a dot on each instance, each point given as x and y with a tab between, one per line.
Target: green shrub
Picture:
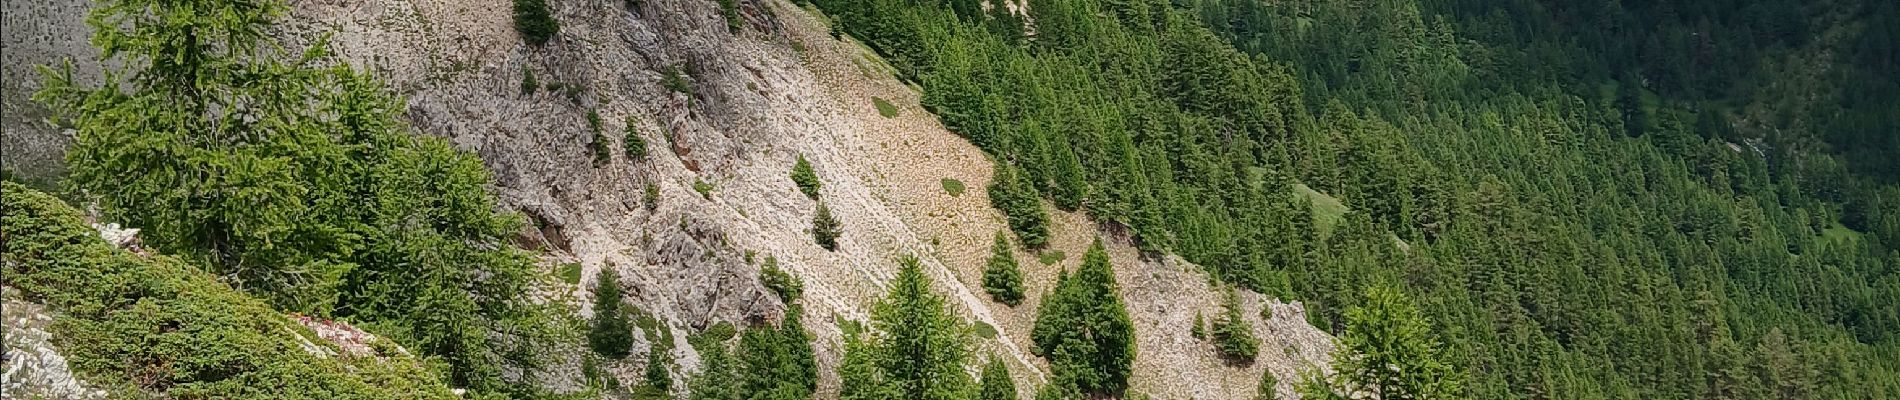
953	187
535	22
610	335
806	179
658	365
674	79
1199	330
884	107
824	228
636	146
788	287
1002	277
528	83
983	330
730	10
599	145
704	189
571	273
1051	257
652	198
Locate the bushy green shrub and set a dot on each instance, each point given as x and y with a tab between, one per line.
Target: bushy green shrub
636	146
535	22
730	10
806	179
528	83
704	189
599	145
674	79
652	197
788	287
1002	277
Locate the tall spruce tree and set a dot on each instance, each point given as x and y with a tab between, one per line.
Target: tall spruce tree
921	345
609	334
1002	277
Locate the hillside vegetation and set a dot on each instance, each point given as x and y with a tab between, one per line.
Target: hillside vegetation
1574	224
215	341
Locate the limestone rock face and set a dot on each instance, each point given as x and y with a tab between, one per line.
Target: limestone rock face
721	140
33	367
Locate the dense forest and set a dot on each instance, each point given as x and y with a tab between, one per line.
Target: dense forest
1678	199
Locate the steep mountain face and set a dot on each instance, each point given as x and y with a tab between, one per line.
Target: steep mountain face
725	109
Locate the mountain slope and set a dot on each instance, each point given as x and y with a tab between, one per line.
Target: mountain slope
745	106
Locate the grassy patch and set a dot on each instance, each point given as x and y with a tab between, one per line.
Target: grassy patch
1327	211
953	187
884	107
674	79
984	330
1051	257
1840	234
704	189
571	273
848	326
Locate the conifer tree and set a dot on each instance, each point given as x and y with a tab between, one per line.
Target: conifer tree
1021	205
609	334
1003	278
996	382
920	346
1084	329
1269	386
1233	336
825	228
657	375
1388	351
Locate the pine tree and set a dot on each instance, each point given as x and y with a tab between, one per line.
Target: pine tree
996	382
1084	329
1233	336
859	376
1269	386
824	228
610	334
1003	278
806	179
1388	351
657	375
1021	205
920	346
